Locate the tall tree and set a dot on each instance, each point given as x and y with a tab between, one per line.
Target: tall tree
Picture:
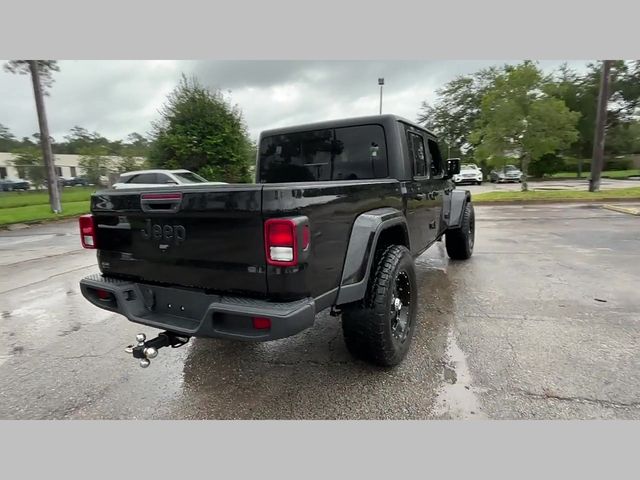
453	116
201	131
597	160
580	94
41	72
518	119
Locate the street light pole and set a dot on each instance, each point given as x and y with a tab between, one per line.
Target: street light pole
381	83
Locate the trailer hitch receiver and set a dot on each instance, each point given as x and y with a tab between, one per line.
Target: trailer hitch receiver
145	350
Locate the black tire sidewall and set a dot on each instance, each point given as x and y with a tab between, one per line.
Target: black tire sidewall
405	264
457	240
381	307
367	325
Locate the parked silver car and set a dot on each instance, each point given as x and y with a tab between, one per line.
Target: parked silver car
510	173
155	178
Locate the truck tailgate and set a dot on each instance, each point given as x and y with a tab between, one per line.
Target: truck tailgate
205	237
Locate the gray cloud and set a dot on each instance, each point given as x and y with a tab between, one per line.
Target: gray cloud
119	97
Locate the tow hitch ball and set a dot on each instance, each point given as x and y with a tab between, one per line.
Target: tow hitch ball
145	349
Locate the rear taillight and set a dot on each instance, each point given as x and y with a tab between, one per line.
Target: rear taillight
280	242
87	231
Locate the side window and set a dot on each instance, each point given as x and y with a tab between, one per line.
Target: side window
418	154
359	153
144	178
436	159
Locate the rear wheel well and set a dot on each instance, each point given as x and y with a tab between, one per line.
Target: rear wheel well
393	235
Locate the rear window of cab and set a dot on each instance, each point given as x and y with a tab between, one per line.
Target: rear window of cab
345	153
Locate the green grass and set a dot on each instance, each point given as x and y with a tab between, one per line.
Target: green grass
33	197
32	213
618	193
606	174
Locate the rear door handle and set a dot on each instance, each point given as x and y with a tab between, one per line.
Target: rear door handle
432	225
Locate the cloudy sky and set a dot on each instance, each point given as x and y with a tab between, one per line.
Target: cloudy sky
116	97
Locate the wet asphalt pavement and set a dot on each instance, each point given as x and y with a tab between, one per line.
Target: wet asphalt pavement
542	322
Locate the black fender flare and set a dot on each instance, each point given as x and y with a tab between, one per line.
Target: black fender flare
361	248
454	208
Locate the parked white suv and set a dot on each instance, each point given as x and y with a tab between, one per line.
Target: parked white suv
469	173
157	178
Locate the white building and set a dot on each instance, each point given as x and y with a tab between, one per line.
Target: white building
66	165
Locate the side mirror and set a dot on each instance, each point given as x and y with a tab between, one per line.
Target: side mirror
453	167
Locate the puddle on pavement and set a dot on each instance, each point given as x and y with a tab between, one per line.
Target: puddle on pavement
37	316
457	398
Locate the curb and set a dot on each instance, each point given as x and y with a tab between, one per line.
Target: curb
554	200
617	208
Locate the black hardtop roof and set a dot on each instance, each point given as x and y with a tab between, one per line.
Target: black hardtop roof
384	120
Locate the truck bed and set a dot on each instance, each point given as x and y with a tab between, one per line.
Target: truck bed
212	237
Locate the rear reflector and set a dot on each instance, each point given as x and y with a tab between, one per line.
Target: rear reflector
306	237
103	294
261	323
87	231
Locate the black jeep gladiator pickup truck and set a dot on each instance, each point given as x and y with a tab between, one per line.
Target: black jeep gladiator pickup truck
338	213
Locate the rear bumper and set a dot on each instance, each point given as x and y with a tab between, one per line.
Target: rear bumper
198	314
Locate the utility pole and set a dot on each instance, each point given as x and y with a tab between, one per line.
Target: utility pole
381	83
601	120
45	140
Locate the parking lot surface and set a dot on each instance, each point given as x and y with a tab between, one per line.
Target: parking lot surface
542	322
567	184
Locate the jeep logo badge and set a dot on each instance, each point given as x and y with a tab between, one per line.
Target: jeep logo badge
168	234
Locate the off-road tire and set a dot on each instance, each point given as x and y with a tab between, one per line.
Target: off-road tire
371	328
460	241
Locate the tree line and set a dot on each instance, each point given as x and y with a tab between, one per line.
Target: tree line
545	122
77	141
95	151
